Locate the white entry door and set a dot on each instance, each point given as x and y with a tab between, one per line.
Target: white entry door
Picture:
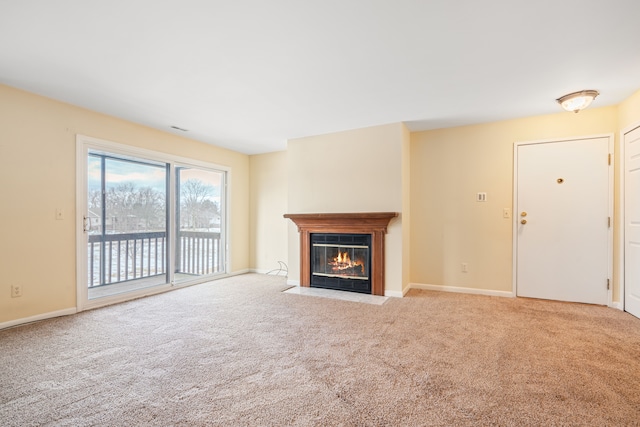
632	222
561	222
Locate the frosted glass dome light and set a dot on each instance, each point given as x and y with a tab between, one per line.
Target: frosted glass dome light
577	101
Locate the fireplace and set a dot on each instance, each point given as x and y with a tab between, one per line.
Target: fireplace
343	250
341	261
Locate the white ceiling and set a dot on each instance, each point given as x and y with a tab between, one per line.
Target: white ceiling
250	74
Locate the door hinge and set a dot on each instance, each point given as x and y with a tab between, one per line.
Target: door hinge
608	285
609	221
609	159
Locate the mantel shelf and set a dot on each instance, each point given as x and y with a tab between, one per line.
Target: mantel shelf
364	222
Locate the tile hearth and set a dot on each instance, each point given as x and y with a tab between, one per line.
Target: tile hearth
340	295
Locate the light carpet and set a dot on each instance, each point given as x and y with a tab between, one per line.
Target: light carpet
240	352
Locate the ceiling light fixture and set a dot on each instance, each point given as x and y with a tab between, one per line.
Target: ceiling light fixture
577	101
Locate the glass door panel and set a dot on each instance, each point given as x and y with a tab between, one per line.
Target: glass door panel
199	223
127	224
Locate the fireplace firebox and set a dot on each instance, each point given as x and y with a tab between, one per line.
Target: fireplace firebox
341	261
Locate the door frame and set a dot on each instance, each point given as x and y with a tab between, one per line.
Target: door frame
610	199
621	218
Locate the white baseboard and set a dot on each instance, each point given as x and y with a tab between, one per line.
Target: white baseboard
37	317
461	290
272	272
394	294
617	304
292	282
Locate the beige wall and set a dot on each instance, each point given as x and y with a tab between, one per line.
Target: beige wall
629	112
448	168
268	203
38	149
352	171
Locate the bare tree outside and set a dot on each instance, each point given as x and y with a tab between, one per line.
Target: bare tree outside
129	208
198	209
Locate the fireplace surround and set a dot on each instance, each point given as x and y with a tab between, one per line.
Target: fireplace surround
372	224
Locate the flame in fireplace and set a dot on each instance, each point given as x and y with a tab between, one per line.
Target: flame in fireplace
343	262
342	258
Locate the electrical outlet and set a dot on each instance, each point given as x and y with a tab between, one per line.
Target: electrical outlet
16	291
464	267
59	214
481	197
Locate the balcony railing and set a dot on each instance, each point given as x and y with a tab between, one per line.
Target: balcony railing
198	253
115	258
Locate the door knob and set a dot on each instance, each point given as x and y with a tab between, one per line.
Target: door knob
524	221
523	214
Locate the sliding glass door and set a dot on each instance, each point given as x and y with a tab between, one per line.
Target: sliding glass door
148	220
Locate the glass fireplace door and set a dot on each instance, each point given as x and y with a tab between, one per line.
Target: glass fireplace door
341	261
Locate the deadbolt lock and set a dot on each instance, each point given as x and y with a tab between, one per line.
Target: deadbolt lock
523	214
524	221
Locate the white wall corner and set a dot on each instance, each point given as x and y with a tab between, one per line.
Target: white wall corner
617	304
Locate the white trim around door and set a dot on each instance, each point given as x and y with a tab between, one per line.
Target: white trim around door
621	218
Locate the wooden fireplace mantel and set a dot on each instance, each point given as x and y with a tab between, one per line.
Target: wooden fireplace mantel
374	223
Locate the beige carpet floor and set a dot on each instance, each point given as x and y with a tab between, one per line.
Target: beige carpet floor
240	352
